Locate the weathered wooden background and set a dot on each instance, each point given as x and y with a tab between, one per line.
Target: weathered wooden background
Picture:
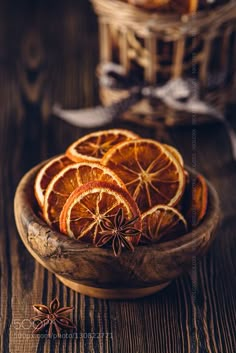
48	54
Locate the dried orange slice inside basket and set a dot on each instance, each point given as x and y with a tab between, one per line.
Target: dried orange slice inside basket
162	223
149	4
92	204
180	6
46	174
184	6
151	174
65	182
92	147
195	200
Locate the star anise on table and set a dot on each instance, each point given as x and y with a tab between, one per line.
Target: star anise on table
117	231
52	317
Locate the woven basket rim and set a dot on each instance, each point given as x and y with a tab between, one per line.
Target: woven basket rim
128	14
138	11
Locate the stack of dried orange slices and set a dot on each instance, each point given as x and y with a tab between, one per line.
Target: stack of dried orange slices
113	188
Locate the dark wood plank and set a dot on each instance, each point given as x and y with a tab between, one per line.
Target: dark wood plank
214	274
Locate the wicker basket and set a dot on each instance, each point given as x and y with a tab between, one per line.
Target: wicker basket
157	47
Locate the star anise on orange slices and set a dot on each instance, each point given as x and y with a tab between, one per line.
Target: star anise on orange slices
92	147
52	317
162	223
117	232
67	180
45	175
92	205
151	174
195	200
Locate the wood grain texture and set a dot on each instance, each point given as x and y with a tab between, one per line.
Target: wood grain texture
196	313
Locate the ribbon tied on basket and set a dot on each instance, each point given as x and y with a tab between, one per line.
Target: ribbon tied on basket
180	94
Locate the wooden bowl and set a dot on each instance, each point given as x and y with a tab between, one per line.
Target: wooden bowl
95	271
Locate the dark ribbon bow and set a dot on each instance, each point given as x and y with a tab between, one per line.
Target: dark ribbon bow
179	94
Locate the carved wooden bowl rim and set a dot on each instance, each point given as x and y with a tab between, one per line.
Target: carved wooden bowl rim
147	265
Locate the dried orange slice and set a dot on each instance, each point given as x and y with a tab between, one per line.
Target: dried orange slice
45	175
92	147
184	6
195	200
151	174
162	223
65	182
149	4
175	153
92	204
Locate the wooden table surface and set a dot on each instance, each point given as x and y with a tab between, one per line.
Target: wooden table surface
48	54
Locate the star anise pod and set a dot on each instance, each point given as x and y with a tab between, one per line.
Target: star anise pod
52	317
117	231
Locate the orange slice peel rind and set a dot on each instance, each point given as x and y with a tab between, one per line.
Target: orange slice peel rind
92	147
46	174
67	180
151	174
90	204
162	223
